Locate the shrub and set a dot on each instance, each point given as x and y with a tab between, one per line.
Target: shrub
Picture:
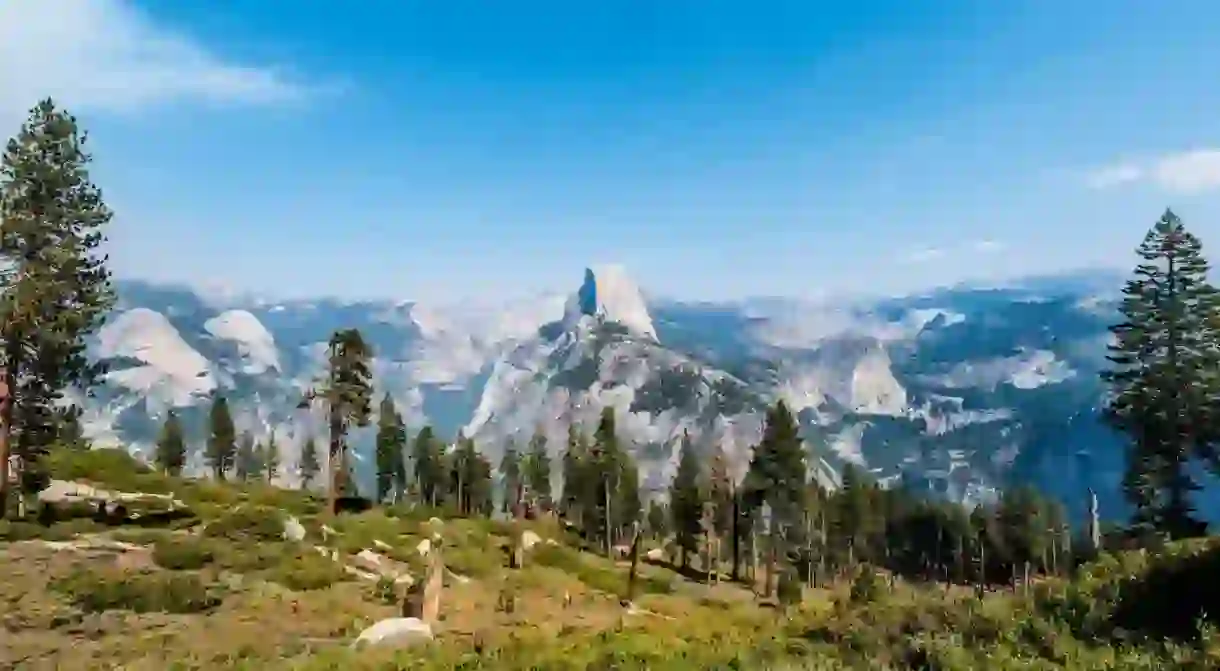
19	530
108	467
868	585
306	571
247	523
97	591
385	591
249	556
182	554
789	591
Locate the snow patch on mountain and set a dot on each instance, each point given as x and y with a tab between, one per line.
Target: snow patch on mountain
610	294
171	369
255	345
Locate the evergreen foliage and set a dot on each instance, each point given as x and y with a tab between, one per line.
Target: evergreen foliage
391	441
57	288
222	438
1162	378
171	445
686	501
346	393
309	464
537	470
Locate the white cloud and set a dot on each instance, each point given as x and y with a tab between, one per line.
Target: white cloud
107	55
1183	172
923	255
987	246
1114	175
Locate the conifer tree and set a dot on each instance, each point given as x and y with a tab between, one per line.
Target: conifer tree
429	468
222	438
537	470
511	478
270	457
391	439
57	287
309	465
658	520
1162	377
346	392
70	433
574	458
246	459
685	500
470	479
605	473
171	445
777	471
627	507
720	493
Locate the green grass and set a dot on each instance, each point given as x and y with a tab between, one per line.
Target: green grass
1131	610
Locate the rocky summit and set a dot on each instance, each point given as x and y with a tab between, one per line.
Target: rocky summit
960	392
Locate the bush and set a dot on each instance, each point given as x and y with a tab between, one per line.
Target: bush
789	591
247	523
182	554
108	467
385	591
97	591
868	585
19	530
306	571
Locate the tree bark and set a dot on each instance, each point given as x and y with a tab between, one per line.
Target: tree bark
6	423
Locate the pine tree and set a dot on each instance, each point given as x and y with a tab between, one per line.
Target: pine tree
309	462
171	445
658	520
429	469
346	393
222	438
627	506
777	471
470	479
605	474
270	458
246	459
70	433
1162	377
574	486
510	476
57	287
685	500
537	470
391	438
720	494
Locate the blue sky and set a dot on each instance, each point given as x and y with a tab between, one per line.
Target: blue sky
444	150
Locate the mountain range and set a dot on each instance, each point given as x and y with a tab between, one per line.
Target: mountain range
961	391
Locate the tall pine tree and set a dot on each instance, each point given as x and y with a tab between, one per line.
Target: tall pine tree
1162	377
171	445
346	393
57	288
686	500
270	458
246	460
429	467
537	470
308	462
777	473
511	479
222	438
391	438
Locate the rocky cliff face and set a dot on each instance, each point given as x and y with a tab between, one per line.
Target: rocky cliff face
960	392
